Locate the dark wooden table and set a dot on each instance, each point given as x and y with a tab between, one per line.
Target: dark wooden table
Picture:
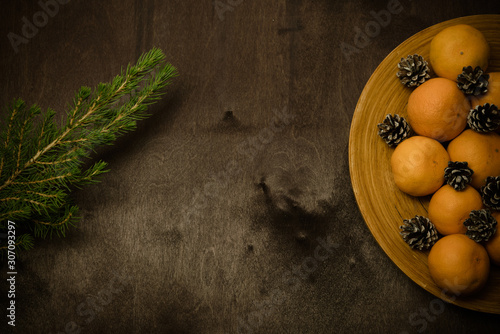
231	208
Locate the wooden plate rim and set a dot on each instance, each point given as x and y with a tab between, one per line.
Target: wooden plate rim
469	303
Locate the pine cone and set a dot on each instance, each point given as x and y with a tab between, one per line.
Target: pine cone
419	232
413	71
458	174
490	192
481	225
394	129
473	81
485	118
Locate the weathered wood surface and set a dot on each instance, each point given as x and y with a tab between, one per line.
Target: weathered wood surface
231	207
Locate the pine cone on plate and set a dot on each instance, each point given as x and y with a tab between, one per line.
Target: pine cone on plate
458	174
419	232
490	192
413	71
394	129
485	118
481	225
473	81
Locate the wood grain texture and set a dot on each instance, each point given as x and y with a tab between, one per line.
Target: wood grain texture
382	204
214	218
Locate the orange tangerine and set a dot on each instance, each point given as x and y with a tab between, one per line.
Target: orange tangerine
493	245
456	47
448	208
492	96
481	151
438	109
418	165
459	265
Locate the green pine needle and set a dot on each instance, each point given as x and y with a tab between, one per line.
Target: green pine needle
40	162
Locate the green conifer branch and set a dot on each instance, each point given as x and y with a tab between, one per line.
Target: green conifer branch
41	162
23	242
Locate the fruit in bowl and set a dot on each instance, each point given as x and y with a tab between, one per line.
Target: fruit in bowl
448	149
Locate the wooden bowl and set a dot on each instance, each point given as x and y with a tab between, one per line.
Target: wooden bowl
382	205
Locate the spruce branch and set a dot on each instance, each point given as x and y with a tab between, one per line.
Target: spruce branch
24	242
41	162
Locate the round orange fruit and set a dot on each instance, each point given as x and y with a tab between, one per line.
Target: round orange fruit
438	109
456	47
459	265
449	208
481	151
418	165
493	244
492	96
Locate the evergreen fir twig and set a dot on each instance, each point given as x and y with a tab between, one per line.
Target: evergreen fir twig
40	162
